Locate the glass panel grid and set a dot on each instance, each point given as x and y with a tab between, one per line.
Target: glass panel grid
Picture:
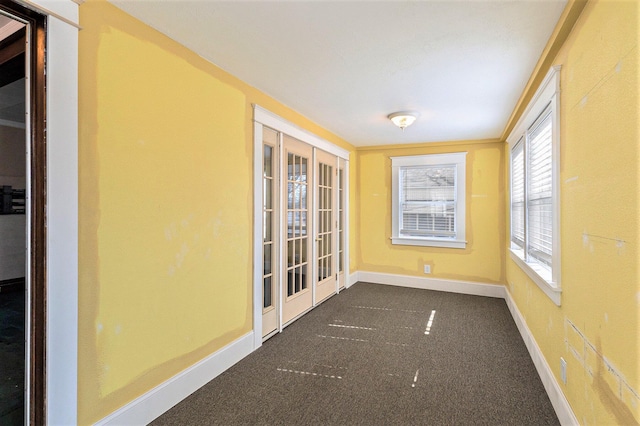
297	213
268	251
325	228
340	221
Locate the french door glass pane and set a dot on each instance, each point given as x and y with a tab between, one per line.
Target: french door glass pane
267	292
269	137
268	153
340	220
325	191
297	210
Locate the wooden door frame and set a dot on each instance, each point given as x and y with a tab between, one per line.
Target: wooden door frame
36	284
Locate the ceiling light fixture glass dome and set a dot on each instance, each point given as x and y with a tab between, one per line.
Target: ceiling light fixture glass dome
403	119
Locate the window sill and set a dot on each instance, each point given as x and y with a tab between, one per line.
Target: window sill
541	277
428	242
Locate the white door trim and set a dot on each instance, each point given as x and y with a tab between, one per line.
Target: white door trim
278	123
263	117
62	208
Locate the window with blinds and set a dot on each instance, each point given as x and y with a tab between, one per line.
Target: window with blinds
428	200
534	195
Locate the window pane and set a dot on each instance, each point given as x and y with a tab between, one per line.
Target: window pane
290	281
303	252
268	155
297	225
290	195
303	197
540	149
540	231
428	183
290	166
297	280
539	193
296	196
303	223
267	226
304	170
290	224
290	252
303	276
427	201
517	194
267	259
268	193
266	293
429	219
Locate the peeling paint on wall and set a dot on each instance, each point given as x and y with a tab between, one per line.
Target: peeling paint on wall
614	390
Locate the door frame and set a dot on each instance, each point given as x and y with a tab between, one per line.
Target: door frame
263	117
59	217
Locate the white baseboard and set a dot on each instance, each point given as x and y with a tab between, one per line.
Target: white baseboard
152	404
353	278
452	286
558	400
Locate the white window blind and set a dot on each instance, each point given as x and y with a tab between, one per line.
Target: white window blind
539	192
428	201
517	195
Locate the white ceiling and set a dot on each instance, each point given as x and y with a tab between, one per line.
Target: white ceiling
346	65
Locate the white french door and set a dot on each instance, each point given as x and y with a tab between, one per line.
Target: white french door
341	210
297	294
326	225
299	226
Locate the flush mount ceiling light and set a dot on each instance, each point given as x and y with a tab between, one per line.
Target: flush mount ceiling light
403	119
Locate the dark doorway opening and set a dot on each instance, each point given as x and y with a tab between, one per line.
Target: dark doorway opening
22	215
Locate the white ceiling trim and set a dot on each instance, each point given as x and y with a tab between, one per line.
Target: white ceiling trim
269	119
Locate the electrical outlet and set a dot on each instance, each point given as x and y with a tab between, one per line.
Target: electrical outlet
427	269
563	370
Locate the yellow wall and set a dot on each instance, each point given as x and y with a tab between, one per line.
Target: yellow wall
482	260
596	328
165	233
166	199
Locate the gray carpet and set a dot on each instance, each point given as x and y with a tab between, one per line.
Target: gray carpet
363	358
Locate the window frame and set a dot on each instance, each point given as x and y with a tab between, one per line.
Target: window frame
459	160
545	100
